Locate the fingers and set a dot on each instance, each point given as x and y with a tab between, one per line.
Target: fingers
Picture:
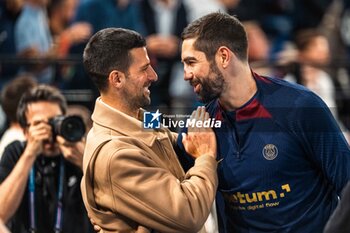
184	135
63	142
37	134
97	228
198	117
40	131
200	139
72	151
184	140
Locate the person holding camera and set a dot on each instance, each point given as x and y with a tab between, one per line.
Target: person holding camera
40	177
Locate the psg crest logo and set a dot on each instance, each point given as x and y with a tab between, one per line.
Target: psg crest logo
270	151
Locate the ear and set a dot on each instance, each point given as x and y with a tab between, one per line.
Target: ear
223	56
116	78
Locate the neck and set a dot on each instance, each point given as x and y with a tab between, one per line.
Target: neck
240	88
120	105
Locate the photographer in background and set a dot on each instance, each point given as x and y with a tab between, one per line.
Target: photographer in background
40	178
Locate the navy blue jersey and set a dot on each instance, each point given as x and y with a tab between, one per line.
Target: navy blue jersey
284	160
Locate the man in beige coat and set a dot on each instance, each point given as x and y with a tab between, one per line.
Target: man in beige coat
132	180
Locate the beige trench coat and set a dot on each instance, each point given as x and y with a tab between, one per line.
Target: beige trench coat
133	181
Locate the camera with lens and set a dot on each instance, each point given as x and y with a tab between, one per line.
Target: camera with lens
71	128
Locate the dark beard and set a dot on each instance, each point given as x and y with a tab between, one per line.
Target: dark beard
212	86
135	102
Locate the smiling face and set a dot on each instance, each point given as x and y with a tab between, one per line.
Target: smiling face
138	79
204	76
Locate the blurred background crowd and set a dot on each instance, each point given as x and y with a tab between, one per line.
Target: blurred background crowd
307	42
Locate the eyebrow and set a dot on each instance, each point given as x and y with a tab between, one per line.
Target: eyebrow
145	66
36	122
187	59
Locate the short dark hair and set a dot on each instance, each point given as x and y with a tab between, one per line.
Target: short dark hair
218	29
12	92
39	93
107	50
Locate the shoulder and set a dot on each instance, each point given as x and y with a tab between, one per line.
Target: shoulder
281	93
271	83
295	107
14	150
27	23
28	13
10	157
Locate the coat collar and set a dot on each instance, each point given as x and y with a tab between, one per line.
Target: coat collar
124	124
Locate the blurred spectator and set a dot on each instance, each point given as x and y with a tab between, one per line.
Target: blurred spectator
314	57
33	39
336	22
258	49
345	25
334	26
196	10
110	13
9	12
313	60
164	22
308	14
248	10
274	16
10	96
229	4
102	14
61	13
66	34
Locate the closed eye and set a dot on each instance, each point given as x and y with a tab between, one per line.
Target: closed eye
145	67
189	61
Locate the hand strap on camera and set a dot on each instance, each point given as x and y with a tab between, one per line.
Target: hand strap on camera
59	210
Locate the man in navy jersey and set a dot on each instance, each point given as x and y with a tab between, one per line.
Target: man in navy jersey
284	160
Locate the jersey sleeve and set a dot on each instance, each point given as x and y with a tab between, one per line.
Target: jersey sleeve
323	140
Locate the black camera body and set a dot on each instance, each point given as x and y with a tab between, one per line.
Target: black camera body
71	128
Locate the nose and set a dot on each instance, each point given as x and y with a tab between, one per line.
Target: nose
152	75
188	74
